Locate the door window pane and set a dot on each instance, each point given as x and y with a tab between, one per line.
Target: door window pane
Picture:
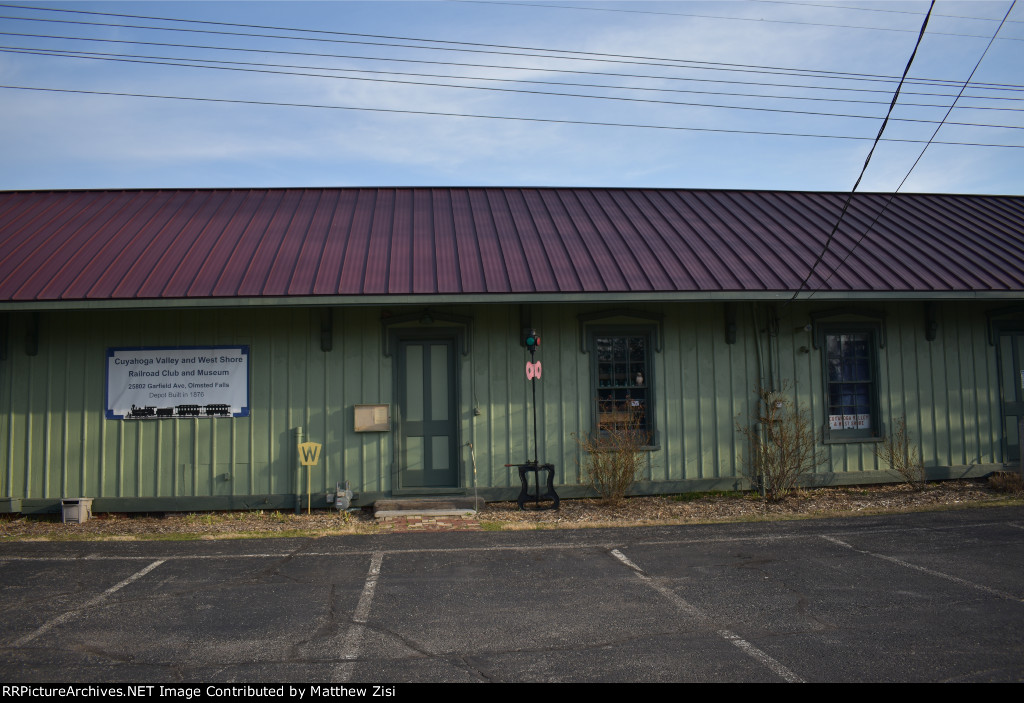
439	382
414	383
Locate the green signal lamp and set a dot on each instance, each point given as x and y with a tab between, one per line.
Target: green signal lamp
532	341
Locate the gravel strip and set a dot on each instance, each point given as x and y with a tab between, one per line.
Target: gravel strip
653	510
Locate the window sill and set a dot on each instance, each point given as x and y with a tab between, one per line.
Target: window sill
650	448
852	440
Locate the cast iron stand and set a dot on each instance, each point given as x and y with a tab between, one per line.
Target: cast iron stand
525	495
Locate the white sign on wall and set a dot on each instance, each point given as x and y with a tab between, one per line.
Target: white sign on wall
151	383
849	422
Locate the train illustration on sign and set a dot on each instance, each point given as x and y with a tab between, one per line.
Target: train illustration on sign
211	410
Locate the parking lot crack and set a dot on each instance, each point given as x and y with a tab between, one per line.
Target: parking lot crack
476	670
326	631
275	567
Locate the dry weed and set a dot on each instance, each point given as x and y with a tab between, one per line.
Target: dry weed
614	453
903	459
1006	482
782	443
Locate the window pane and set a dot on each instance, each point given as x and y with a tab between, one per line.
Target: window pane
622	367
850	382
835	370
620	375
636	349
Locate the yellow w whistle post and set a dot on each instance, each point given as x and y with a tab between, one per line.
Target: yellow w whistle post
309	455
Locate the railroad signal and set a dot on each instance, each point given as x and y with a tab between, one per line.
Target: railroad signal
531	341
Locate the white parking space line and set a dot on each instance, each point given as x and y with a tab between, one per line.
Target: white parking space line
50	624
625	560
553	546
350	650
731	637
558	546
924	569
169	557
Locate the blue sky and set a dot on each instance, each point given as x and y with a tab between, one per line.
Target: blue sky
84	140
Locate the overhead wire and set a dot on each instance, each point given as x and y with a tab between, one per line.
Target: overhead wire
71	53
876	7
878	138
501	117
930	141
879	7
339	33
600	9
77	53
480	47
946	83
562	54
539	92
720	17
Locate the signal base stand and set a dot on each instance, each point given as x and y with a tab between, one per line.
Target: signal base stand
525	495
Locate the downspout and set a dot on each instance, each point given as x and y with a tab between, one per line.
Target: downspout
761	371
757	345
772	327
766	361
298	472
473	413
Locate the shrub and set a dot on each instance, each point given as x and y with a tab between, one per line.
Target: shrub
614	452
782	443
903	459
1006	482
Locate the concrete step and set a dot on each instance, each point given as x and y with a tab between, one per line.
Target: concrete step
458	505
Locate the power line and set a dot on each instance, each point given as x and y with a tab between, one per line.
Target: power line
501	117
722	17
877	8
531	92
384	36
579	55
936	82
822	80
864	168
871	227
171	59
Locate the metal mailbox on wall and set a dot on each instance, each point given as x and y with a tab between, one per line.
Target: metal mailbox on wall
173	382
373	418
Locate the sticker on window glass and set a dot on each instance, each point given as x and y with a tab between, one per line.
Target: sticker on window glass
849	422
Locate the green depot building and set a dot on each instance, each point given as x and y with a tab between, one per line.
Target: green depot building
170	349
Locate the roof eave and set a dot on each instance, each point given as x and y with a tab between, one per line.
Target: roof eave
500	298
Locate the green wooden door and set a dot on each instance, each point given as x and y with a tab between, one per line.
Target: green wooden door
428	432
1011	378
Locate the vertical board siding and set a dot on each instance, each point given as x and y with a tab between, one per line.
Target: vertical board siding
58	443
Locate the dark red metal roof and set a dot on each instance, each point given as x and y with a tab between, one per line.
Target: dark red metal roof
188	244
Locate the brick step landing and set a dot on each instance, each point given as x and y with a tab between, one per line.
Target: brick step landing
429	523
427	514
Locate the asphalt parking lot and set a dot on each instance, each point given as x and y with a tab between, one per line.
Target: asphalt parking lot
921	597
